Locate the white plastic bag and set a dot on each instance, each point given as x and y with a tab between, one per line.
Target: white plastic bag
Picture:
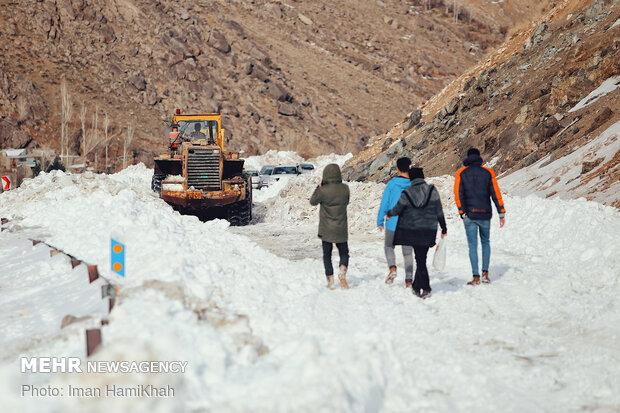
439	259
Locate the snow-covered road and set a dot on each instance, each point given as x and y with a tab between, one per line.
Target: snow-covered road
247	307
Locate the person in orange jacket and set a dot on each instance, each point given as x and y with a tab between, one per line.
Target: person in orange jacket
474	188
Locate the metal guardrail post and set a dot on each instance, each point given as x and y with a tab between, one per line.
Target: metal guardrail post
93	340
93	273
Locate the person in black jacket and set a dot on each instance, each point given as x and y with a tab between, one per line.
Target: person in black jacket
419	210
474	187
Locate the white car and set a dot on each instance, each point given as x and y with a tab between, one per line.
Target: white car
264	176
284	172
271	174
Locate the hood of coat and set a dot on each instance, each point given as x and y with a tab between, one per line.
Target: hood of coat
331	174
400	182
419	191
473	160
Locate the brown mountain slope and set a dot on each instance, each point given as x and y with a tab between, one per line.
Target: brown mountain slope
312	76
516	105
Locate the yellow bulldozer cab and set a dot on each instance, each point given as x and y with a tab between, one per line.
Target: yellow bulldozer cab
179	119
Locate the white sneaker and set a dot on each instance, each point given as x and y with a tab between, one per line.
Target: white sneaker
391	277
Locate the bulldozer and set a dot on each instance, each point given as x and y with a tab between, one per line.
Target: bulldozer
197	175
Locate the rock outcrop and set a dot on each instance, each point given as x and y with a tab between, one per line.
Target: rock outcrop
519	105
315	77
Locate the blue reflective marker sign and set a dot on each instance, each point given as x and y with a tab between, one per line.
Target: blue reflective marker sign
117	257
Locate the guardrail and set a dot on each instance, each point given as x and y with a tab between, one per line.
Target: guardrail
108	289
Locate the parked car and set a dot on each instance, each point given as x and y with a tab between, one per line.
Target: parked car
265	169
286	170
306	168
271	174
255	177
264	175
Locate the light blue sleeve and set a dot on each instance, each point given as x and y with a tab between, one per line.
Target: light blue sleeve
385	199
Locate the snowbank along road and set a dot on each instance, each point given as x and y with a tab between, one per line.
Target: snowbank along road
247	307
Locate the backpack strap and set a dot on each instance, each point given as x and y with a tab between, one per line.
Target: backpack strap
427	200
409	198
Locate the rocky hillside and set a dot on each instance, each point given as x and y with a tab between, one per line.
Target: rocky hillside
311	76
550	89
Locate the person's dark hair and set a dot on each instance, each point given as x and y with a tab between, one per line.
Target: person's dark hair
403	164
197	127
473	151
416	173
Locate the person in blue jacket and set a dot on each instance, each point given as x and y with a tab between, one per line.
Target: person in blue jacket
391	194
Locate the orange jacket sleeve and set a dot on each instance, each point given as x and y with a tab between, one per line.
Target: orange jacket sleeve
458	191
496	195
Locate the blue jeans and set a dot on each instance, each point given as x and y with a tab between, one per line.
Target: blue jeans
472	227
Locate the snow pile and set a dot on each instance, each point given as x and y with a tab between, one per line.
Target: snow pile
80	212
322	161
272	157
557	231
605	88
290	205
261	333
171	260
563	177
275	188
272	190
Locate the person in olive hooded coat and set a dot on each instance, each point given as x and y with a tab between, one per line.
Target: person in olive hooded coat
333	196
